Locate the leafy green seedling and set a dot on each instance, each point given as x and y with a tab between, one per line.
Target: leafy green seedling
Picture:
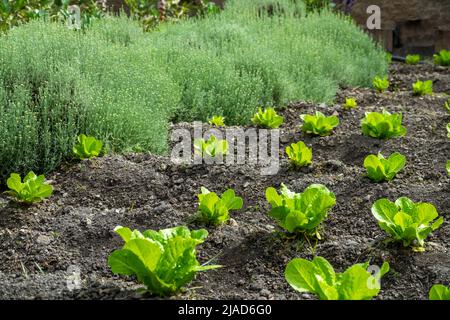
267	119
318	124
439	292
381	169
164	261
448	167
447	105
215	210
381	84
211	147
217	121
412	59
87	147
421	88
318	277
383	125
407	221
32	189
350	103
442	58
448	130
300	212
299	154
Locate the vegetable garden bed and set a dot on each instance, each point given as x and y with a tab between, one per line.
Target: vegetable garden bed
41	245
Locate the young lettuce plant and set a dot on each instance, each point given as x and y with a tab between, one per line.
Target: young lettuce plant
383	125
299	154
318	277
447	105
439	292
407	221
217	121
32	189
412	59
421	88
442	58
448	130
268	118
211	147
381	84
381	169
300	212
350	103
87	147
215	210
448	167
164	261
318	124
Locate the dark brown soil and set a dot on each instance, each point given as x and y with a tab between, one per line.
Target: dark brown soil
39	244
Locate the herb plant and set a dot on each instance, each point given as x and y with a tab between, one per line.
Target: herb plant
211	147
299	154
318	277
412	59
87	147
442	58
407	221
164	261
439	292
389	57
318	124
381	169
268	118
383	125
381	84
300	212
217	121
421	88
32	189
350	103
215	210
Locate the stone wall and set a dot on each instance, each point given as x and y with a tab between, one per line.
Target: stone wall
409	26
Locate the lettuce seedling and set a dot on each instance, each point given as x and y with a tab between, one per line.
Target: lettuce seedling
217	121
318	124
87	147
421	88
215	210
164	261
268	118
407	221
447	105
32	189
381	169
412	59
382	125
299	154
448	130
442	58
439	292
448	167
300	212
350	103
318	277
211	147
380	84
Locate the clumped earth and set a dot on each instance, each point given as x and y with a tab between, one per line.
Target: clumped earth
42	245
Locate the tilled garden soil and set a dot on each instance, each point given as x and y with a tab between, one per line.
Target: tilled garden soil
41	245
